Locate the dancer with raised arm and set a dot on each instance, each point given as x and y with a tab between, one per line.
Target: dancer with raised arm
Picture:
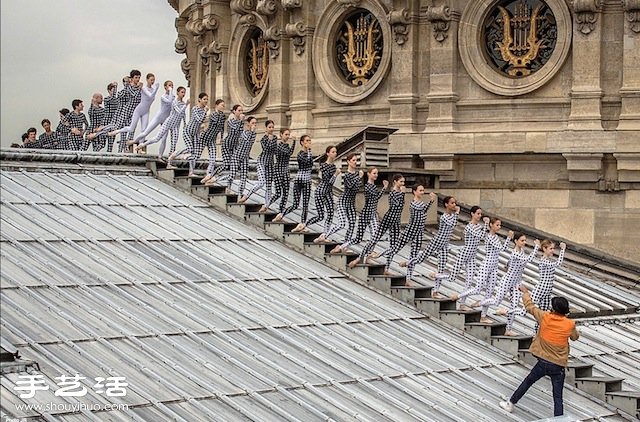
78	125
282	175
324	193
172	124
474	232
129	98
240	160
439	244
190	133
547	274
141	112
230	140
415	229
209	136
302	184
166	102
510	283
390	222
551	347
352	180
368	216
487	275
269	144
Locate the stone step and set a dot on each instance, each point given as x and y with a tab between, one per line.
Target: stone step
485	331
278	228
186	182
525	356
203	191
259	218
599	386
458	318
166	175
294	239
433	306
409	294
384	283
239	210
220	200
511	344
338	260
577	369
317	249
627	401
364	271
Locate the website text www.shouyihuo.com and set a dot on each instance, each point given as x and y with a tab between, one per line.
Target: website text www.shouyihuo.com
65	407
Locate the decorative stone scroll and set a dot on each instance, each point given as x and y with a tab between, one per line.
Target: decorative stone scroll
291	4
248	20
586	14
632	13
211	52
243	7
296	32
272	35
348	3
185	65
180	45
267	7
399	21
440	18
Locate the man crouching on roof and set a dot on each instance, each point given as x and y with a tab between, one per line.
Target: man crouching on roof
550	346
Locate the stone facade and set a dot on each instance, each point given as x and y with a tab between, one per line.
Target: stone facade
558	149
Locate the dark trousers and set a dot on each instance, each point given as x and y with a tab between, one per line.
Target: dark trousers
543	368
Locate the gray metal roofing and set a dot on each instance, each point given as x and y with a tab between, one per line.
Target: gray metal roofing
209	319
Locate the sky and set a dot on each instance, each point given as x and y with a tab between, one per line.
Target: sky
54	51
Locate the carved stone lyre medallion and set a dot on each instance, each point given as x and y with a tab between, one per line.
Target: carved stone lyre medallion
359	47
257	60
520	36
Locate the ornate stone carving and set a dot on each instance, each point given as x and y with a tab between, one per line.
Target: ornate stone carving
248	20
440	18
632	12
181	45
399	20
291	4
296	31
272	37
211	52
349	3
267	7
243	7
586	12
185	65
210	22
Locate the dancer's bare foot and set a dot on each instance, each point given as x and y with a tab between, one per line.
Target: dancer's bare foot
191	174
510	333
475	304
278	217
346	250
436	295
369	260
298	228
485	320
243	199
501	311
131	142
354	262
388	273
205	179
319	239
403	264
410	283
337	249
113	133
170	166
464	307
92	136
374	255
455	296
263	209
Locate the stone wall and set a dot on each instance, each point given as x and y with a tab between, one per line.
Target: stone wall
558	149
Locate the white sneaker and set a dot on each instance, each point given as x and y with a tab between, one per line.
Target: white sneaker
507	406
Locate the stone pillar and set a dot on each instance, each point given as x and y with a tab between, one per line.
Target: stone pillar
302	81
630	90
443	68
278	89
586	92
403	85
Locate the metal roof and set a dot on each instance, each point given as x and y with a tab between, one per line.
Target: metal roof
210	319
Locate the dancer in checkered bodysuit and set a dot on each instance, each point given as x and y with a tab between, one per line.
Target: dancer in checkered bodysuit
166	102
62	130
352	180
110	110
269	143
209	137
510	283
301	184
390	222
48	139
541	294
129	98
486	279
281	174
439	244
172	124
415	229
368	215
78	125
474	232
96	122
228	145
141	112
240	159
190	133
323	197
